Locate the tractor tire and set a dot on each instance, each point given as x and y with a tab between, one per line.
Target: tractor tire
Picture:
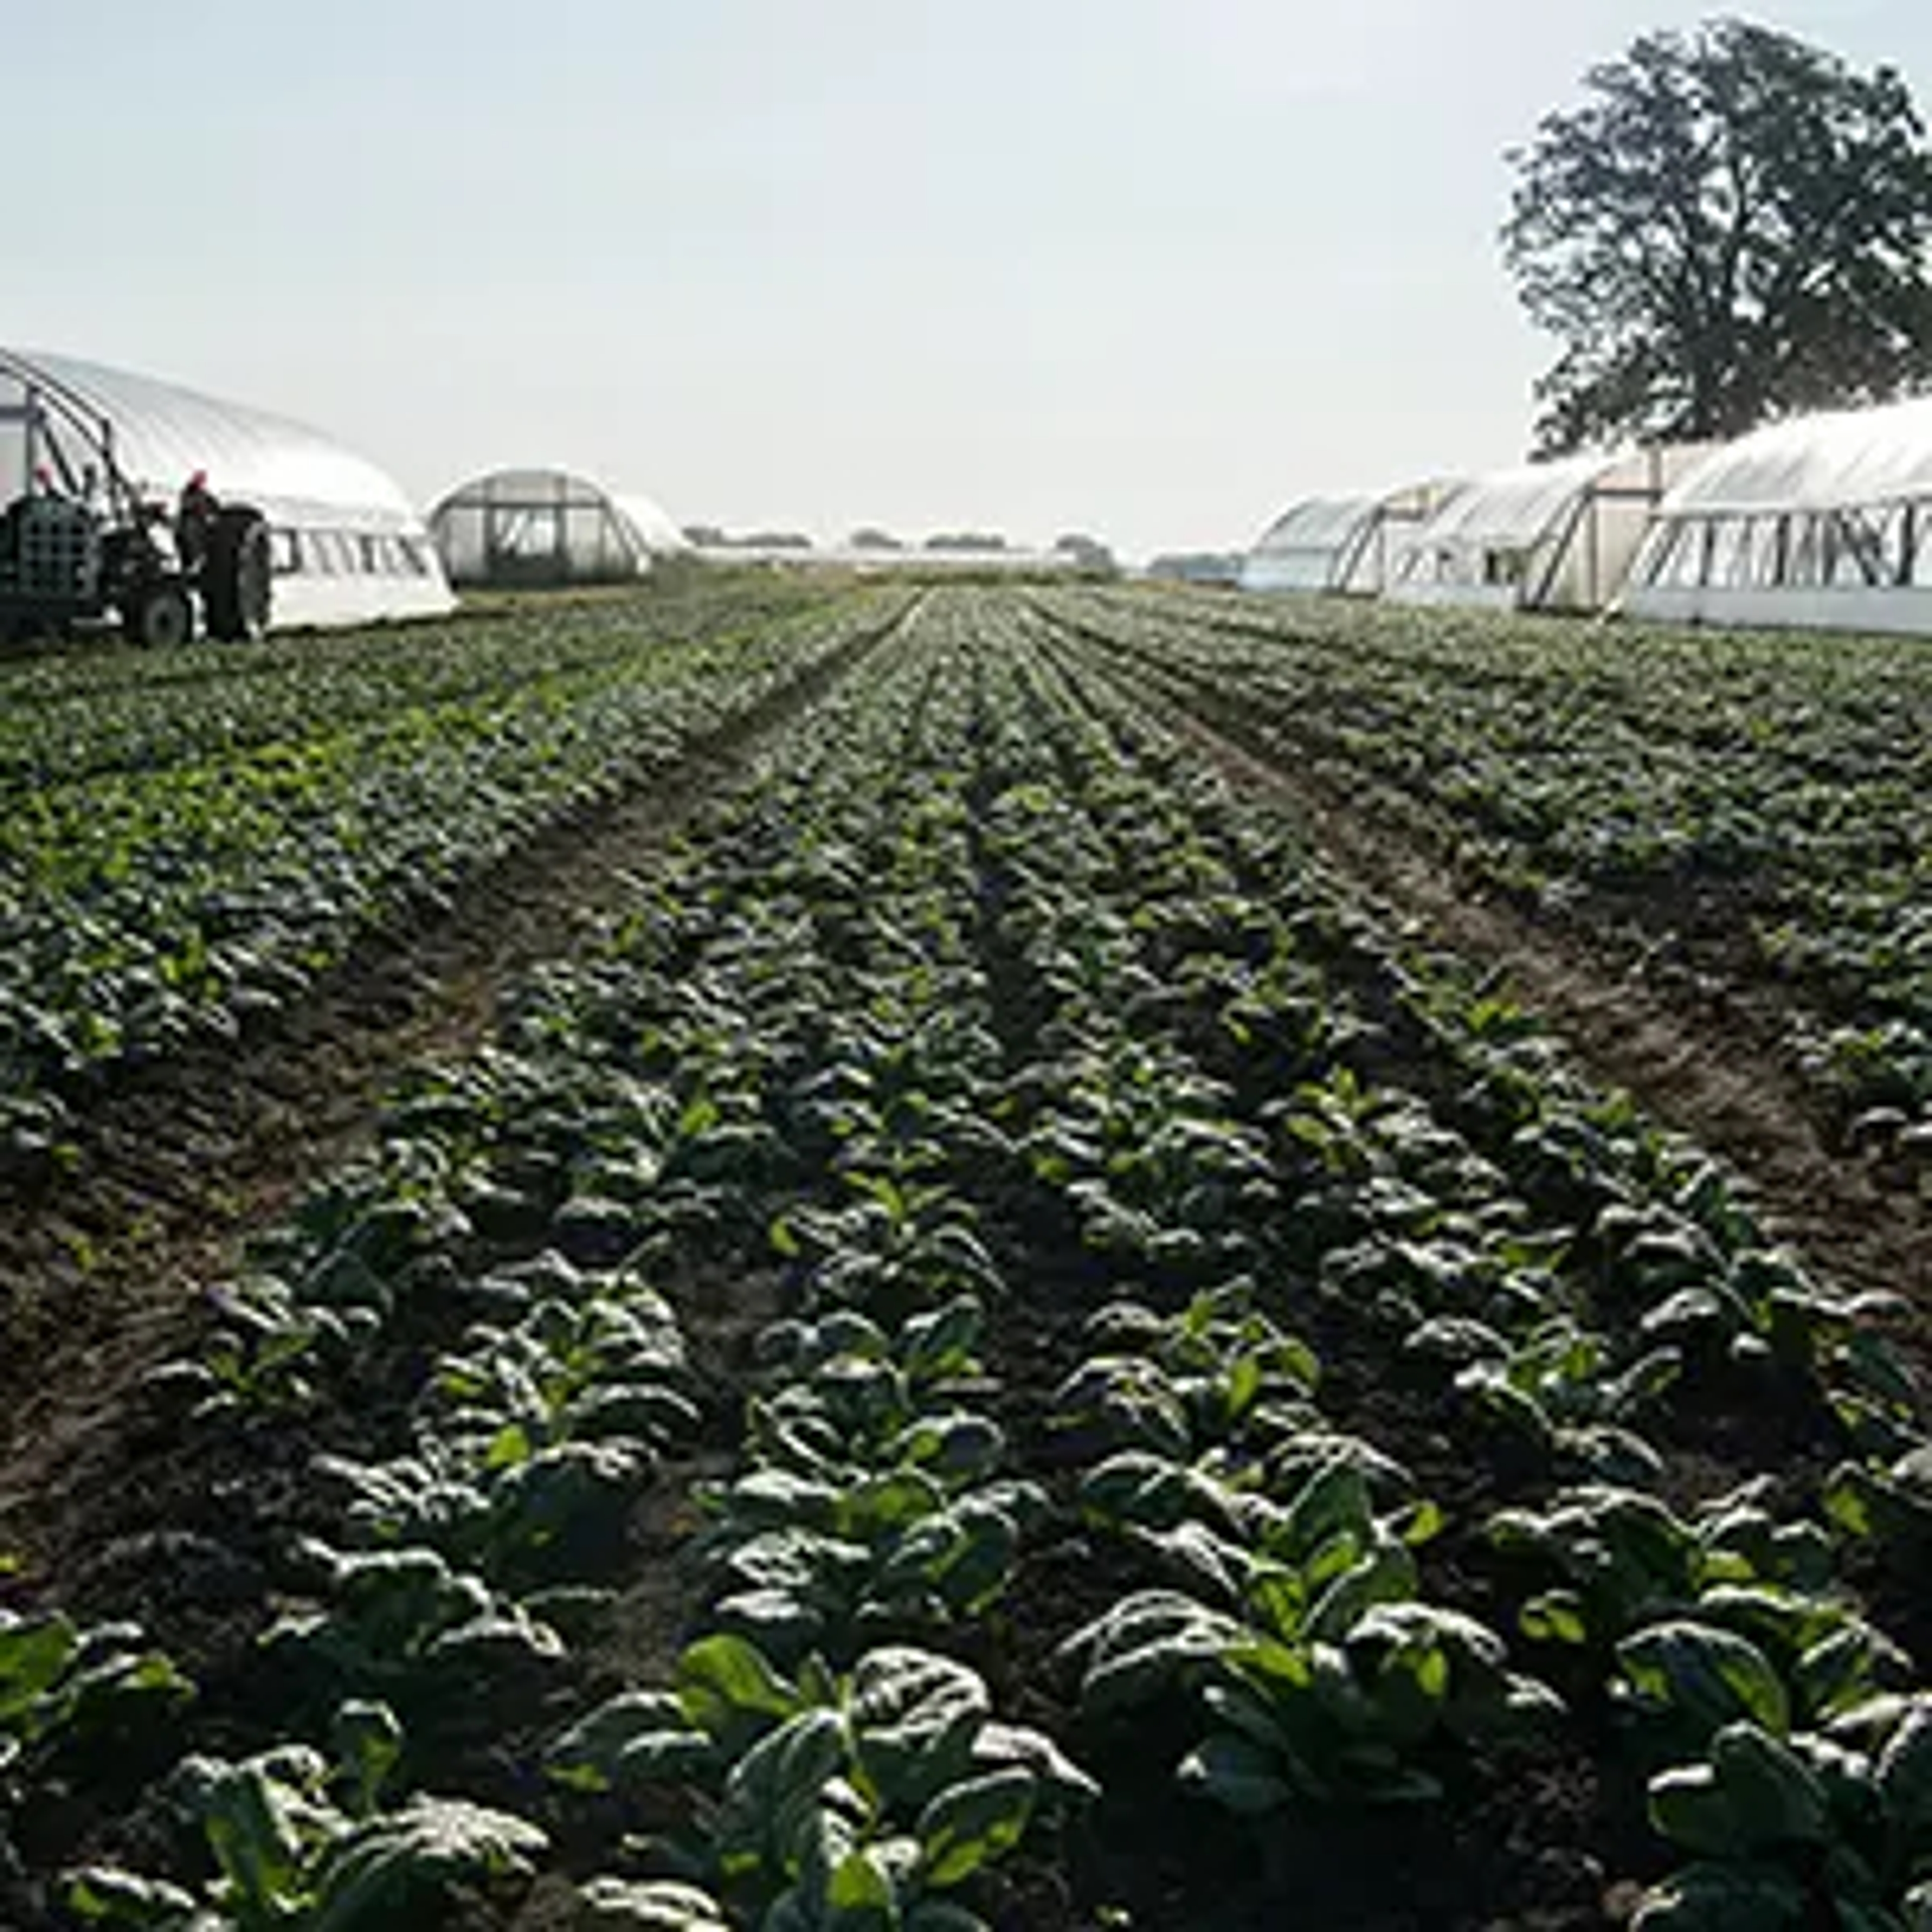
161	615
237	575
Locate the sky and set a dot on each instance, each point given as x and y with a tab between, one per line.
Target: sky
1146	269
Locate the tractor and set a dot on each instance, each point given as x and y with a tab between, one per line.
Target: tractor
82	547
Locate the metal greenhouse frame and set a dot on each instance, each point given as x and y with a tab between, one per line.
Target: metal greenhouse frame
1341	544
546	528
1821	522
1559	536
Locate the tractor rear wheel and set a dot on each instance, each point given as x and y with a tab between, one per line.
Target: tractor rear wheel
160	615
237	575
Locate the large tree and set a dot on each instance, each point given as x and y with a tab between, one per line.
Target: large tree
1734	226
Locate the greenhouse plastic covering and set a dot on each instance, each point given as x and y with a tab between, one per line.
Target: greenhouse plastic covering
1830	461
536	524
653	524
1512	507
162	434
1325	523
1313	545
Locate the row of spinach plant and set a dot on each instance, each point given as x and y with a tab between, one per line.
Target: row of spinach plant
655	1109
985	992
1571	1278
1741	807
180	886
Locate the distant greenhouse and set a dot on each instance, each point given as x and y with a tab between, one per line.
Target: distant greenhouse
341	543
1559	536
1344	544
1824	521
548	528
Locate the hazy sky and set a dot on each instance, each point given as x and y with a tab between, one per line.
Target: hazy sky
1150	269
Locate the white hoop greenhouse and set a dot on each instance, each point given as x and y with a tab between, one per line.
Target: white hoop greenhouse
1344	544
346	544
548	527
1545	536
1822	522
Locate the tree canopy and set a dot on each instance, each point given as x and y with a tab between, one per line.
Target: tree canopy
1087	553
1735	226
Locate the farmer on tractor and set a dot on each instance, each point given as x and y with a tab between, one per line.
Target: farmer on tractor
195	514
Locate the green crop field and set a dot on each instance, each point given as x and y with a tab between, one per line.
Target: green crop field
1027	1256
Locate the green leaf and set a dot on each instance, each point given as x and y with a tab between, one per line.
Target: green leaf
1649	1376
727	1689
1386	1574
1854	1915
1554	1616
1238	1773
970	1823
775	1788
368	1743
371	1876
35	1651
655	1905
1781	1622
1840	1671
1852	1499
1143	1642
806	1561
888	1500
1334	1499
1058	1777
587	1755
1905	1774
1139	1485
1192	1553
1916	1908
943	1915
1777	1797
664	1757
1513	1409
502	1639
1243	1383
782	1622
915	1716
957	1446
1457	1340
1722	1897
965	1555
1704	1677
941	1343
105	1897
255	1820
859	1895
1688	1805
1420	1522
